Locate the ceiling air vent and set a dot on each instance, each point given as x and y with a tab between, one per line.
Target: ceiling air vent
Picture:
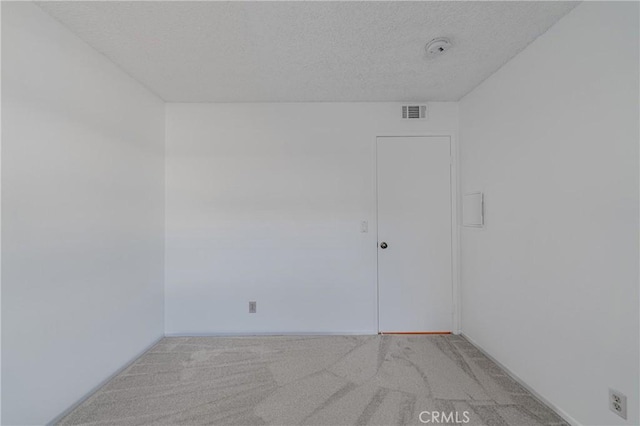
414	112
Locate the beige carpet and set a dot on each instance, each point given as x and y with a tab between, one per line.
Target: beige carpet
299	380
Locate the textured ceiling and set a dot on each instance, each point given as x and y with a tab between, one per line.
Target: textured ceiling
307	51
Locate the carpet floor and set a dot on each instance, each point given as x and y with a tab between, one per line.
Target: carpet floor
323	380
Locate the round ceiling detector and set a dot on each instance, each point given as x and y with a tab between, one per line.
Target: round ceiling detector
437	46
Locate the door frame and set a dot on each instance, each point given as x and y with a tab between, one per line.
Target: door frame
455	231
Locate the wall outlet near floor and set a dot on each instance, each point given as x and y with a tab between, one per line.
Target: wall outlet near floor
618	403
252	307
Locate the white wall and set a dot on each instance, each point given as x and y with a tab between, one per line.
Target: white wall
82	217
550	286
264	202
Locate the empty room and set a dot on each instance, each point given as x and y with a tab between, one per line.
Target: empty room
320	213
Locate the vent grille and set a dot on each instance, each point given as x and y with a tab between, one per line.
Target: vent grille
414	112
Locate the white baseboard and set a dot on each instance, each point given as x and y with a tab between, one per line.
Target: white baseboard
102	383
278	333
565	416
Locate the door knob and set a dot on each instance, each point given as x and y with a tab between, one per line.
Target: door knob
383	245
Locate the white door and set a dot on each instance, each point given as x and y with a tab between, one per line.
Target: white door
414	234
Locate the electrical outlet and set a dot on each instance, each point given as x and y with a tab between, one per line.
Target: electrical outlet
252	307
618	403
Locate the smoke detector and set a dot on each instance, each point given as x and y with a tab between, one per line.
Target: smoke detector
437	46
